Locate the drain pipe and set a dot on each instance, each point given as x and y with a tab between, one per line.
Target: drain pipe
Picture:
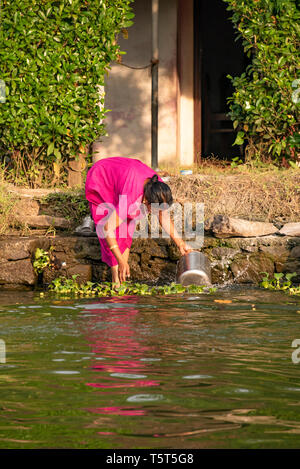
154	88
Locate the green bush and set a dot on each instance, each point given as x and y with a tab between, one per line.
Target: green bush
54	55
265	104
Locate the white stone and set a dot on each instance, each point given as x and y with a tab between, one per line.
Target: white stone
290	229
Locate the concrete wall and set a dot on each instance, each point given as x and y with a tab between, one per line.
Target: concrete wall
185	142
128	91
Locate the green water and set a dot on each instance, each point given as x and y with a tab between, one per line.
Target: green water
150	372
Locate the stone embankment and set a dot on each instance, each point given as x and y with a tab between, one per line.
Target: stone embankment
239	251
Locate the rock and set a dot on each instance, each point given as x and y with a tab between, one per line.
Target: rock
149	246
101	272
135	266
44	221
248	268
84	272
276	252
18	255
145	257
244	244
30	207
208	224
224	252
174	253
17	248
50	273
290	229
291	266
220	275
279	254
30	193
295	252
160	270
87	248
13	251
225	227
18	272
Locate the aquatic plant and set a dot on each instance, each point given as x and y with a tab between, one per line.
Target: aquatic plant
63	285
41	260
280	281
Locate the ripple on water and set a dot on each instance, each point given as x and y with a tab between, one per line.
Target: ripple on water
150	359
197	377
145	398
241	390
128	375
108	305
130	350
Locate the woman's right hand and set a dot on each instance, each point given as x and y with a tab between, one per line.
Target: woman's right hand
124	271
184	248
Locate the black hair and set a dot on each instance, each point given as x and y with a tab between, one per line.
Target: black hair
157	192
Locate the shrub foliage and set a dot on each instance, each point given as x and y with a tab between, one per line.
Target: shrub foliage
54	55
265	103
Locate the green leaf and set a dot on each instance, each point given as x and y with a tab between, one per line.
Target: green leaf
50	149
57	154
278	276
239	139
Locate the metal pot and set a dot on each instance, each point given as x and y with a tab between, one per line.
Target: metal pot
193	269
87	227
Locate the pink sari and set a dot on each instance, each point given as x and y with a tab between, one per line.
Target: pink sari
106	181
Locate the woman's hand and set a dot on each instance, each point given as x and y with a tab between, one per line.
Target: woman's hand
123	270
183	247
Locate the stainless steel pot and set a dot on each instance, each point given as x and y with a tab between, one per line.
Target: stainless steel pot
87	227
193	269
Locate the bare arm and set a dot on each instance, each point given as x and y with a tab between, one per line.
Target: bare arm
168	225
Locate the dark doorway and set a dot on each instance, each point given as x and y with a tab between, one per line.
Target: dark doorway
217	54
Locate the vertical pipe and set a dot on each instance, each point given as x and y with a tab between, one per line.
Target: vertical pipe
198	59
154	87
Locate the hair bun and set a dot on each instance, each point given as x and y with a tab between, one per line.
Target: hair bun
154	178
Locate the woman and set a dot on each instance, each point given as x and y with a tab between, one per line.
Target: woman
116	188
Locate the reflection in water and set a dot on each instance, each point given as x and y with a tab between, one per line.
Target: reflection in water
203	335
181	372
117	411
112	337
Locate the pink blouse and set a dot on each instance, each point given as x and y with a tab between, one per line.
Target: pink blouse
116	184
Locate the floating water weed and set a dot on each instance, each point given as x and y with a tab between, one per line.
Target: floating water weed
63	285
280	281
41	260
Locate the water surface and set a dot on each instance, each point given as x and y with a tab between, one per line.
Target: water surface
194	371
